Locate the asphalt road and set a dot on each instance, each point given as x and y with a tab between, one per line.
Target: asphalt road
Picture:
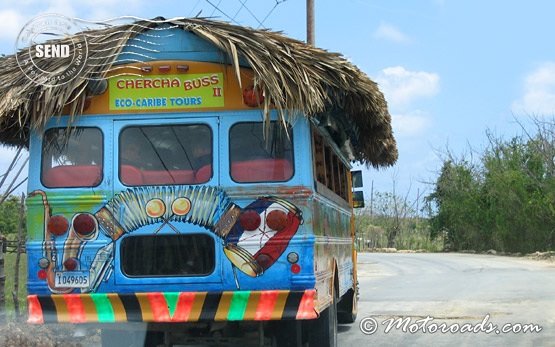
475	294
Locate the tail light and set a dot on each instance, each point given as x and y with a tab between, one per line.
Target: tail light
42	274
182	68
84	224
276	220
43	263
295	268
164	68
249	220
57	225
71	264
146	68
292	257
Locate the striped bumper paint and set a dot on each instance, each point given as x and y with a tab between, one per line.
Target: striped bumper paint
172	306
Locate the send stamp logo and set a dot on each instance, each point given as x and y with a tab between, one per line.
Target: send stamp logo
51	50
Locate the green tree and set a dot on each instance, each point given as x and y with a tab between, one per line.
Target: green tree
9	215
519	190
506	202
458	207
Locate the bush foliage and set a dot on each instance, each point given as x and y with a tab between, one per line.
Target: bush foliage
504	201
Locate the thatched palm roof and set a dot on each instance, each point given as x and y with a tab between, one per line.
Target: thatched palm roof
292	74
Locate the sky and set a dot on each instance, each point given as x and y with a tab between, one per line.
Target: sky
449	69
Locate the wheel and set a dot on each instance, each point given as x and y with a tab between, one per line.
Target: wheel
348	307
323	332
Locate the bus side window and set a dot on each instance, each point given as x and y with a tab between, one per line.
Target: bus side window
72	158
329	169
319	159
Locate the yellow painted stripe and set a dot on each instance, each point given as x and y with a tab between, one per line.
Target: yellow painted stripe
145	307
280	304
197	306
61	308
119	310
223	306
250	311
90	308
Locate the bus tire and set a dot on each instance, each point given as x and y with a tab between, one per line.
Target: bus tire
348	307
323	332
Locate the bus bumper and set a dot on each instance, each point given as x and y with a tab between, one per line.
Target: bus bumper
172	306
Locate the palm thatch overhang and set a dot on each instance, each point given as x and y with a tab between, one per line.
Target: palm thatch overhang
293	76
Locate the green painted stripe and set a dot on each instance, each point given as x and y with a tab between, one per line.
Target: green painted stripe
238	305
103	308
171	300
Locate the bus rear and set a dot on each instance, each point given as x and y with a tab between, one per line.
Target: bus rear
183	197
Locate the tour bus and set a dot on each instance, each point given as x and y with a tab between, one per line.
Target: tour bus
181	198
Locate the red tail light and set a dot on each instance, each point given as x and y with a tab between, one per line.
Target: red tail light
71	264
295	268
276	220
42	274
164	68
57	225
249	220
84	224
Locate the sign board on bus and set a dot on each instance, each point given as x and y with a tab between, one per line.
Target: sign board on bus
161	92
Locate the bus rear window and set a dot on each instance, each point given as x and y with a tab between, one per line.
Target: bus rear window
165	155
255	158
72	158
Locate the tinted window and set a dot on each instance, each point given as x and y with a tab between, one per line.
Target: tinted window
72	158
160	155
168	255
256	158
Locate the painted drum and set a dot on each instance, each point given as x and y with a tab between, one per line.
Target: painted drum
279	221
243	260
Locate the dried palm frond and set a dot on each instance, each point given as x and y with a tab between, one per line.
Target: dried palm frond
294	77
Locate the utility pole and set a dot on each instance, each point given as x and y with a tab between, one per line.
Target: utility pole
310	22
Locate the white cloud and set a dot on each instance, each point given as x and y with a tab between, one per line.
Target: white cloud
11	23
401	86
391	33
410	124
539	92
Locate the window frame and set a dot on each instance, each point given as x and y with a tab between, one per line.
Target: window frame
335	180
276	123
165	124
102	158
207	236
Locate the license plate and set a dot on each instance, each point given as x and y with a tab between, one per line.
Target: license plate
72	279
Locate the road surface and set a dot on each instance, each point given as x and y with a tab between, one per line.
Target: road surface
448	291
